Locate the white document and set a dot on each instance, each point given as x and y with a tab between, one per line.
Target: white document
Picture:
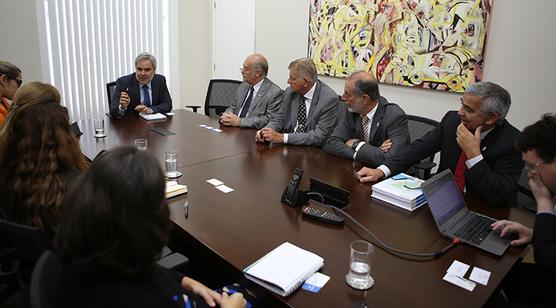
284	269
174	189
225	189
460	282
215	182
458	268
202	125
479	275
218	130
152	117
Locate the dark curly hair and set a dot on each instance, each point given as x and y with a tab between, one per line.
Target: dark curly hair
115	220
37	150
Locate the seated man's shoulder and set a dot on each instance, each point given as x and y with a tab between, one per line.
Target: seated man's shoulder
328	93
391	107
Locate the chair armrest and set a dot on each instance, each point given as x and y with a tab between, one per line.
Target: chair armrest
425	167
194	107
173	261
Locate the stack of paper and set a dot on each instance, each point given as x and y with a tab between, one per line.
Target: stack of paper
153	116
284	269
401	190
174	189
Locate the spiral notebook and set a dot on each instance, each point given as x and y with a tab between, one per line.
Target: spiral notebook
284	269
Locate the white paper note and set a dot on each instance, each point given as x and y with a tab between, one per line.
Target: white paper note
458	268
225	189
218	130
215	182
480	275
460	282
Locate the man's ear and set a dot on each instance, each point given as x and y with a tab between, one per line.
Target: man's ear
492	118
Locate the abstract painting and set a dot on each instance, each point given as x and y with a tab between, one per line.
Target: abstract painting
433	44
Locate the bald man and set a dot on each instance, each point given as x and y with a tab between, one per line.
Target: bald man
370	128
257	99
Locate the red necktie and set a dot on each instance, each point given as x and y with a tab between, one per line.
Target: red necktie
459	174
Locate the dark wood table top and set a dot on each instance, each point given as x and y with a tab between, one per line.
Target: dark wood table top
247	223
194	143
242	226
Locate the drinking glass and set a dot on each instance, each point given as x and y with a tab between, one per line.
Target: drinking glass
359	275
141	144
99	128
171	161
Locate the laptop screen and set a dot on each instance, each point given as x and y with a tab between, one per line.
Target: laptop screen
443	197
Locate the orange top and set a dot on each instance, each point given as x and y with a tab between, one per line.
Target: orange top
4	107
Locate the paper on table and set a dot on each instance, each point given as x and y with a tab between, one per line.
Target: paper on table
215	182
460	282
225	189
458	268
480	275
315	282
153	116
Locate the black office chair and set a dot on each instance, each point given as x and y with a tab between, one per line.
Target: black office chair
9	282
44	291
418	127
220	94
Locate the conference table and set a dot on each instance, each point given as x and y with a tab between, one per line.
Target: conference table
237	228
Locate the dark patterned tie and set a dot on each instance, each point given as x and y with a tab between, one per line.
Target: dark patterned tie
146	97
247	103
301	117
365	124
459	173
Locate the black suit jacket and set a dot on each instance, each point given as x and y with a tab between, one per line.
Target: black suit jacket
161	100
544	245
494	179
389	122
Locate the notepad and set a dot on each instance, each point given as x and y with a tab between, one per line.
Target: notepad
152	117
284	269
174	189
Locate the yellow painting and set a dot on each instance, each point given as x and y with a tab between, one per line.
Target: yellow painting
433	44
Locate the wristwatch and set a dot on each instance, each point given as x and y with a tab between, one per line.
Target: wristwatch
355	143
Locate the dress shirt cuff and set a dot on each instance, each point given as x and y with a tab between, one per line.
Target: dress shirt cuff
386	170
361	143
286	138
120	110
473	161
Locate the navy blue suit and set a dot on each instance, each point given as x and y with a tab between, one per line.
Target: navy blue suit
161	100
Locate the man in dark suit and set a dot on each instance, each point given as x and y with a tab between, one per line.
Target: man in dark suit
257	99
141	92
476	143
370	128
534	284
309	109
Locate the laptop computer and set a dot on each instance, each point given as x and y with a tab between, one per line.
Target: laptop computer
454	219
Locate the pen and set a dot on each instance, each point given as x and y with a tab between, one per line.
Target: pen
186	208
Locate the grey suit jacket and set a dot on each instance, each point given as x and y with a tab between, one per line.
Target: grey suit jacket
323	115
264	105
389	122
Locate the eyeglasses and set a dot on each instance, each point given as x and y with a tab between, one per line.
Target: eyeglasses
18	81
532	167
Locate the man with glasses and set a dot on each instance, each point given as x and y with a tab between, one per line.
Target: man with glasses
141	92
257	99
10	81
476	143
534	284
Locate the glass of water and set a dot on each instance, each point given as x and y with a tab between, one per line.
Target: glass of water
99	128
359	275
171	161
141	144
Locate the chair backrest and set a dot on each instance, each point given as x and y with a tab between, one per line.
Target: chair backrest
525	198
110	89
418	127
29	241
44	290
220	95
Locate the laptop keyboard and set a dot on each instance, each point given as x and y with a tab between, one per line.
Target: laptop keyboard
476	230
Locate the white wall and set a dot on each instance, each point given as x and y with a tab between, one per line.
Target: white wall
516	58
20	37
195	51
